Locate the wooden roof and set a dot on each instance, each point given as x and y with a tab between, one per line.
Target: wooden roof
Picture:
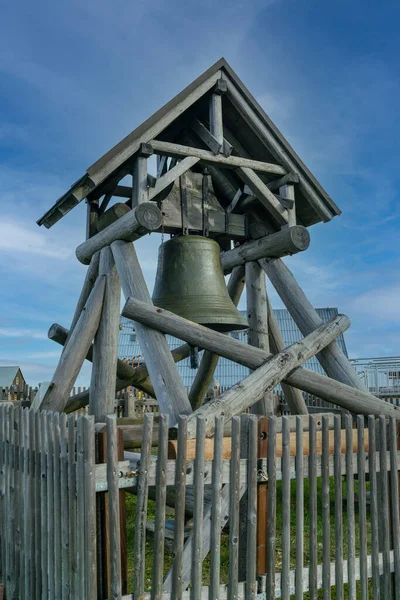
246	127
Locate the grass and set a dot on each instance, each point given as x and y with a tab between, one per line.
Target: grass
168	556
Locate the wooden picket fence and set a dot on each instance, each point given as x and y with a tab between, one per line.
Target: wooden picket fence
282	506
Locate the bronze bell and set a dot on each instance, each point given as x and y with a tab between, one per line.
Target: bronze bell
190	282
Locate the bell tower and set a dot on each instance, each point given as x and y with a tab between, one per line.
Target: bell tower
235	198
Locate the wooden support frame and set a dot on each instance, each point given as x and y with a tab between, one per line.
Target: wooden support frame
264	195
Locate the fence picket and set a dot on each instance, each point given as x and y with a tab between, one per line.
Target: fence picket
326	516
299	508
2	489
234	493
161	493
179	523
312	478
72	508
28	507
113	507
43	503
90	508
394	487
384	508
198	512
64	507
271	521
216	510
350	508
80	508
37	512
362	507
374	507
57	505
251	546
50	505
285	591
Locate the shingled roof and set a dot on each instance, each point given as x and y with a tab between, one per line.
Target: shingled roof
247	128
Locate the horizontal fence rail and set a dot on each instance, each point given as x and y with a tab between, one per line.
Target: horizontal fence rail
266	508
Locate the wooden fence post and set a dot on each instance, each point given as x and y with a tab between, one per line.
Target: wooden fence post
262	500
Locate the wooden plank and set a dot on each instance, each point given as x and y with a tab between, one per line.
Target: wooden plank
215	567
136	223
159	523
287	192
251	546
215	117
206	136
72	508
74	354
141	509
394	487
28	507
290	178
37	512
179	524
170	391
332	359
139	180
2	490
299	510
80	507
350	509
50	507
234	493
65	512
123	521
105	347
338	510
374	508
286	242
264	195
362	508
384	526
285	509
198	513
325	498
43	501
113	499
57	513
313	539
207	157
90	508
271	523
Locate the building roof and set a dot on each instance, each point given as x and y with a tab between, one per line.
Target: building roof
227	373
251	133
7	376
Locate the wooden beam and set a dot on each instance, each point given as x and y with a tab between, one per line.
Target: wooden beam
333	360
288	241
207	157
206	136
139	175
75	352
294	398
287	192
171	175
248	391
215	117
92	217
138	222
209	361
170	391
265	196
288	178
105	347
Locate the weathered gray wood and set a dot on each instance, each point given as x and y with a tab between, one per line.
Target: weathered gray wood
325	498
288	241
105	347
170	391
132	226
294	398
374	508
337	472
90	509
209	361
159	523
286	179
90	280
245	393
37	511
384	526
80	508
271	523
18	507
234	493
350	509
312	475
43	504
206	136
65	509
27	492
332	359
2	490
7	495
72	507
57	512
251	563
141	508
362	508
264	195
287	191
139	181
215	117
50	506
207	157
394	497
179	525
285	509
171	175
74	354
117	210
198	514
215	567
113	507
257	316
299	509
280	154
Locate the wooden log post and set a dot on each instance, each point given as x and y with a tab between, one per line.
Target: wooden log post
75	352
294	398
105	347
139	175
257	316
332	359
141	220
287	191
288	241
248	356
92	217
209	361
215	112
248	391
170	391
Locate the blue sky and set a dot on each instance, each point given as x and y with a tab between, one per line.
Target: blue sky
77	76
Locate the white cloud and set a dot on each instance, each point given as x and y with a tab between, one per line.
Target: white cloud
381	304
15	237
20	333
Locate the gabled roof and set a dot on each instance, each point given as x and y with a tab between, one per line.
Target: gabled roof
7	376
246	126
